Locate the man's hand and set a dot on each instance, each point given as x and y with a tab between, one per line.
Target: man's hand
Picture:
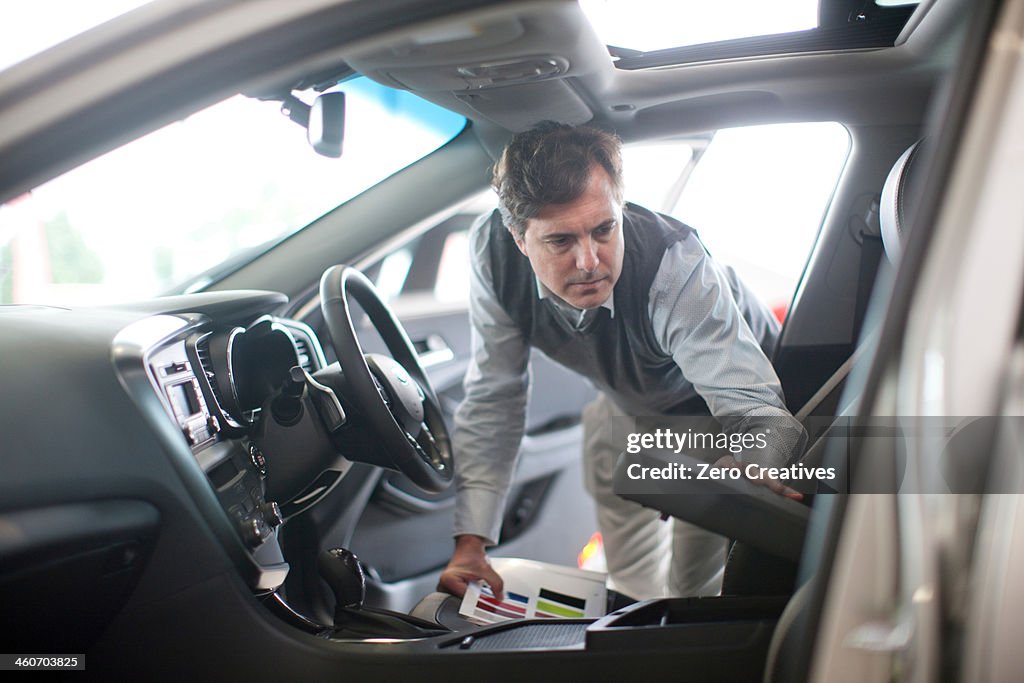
469	563
771	484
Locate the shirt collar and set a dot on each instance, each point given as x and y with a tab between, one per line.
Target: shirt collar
544	293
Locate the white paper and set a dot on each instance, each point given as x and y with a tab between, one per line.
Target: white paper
537	590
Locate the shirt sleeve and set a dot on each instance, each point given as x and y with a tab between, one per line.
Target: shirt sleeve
697	320
489	422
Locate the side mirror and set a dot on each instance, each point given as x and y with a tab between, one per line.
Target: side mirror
326	128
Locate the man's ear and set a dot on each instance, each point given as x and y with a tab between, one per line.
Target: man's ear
521	243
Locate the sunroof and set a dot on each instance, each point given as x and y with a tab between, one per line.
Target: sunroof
647	25
643	33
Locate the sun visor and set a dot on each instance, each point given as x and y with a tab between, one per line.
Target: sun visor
542	41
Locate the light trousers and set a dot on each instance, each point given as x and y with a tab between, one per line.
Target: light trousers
646	557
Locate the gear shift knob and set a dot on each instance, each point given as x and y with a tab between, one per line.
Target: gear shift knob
341	570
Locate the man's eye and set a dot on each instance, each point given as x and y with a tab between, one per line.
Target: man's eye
604	231
558	242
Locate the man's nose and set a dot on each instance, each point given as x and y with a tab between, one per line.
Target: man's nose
586	255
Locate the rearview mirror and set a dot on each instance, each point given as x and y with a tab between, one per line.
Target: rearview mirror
326	128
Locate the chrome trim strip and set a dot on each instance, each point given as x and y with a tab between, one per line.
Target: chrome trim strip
307	331
231	372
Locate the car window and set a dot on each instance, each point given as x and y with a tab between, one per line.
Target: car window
655	25
757	199
641	34
216	188
755	195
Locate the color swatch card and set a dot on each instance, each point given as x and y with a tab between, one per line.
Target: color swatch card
537	590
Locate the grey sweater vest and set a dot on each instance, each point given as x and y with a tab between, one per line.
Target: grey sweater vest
619	354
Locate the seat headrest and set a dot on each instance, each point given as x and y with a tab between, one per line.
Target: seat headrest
898	201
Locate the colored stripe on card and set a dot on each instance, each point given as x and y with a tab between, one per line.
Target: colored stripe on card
504	605
497	610
557	610
567	600
486	616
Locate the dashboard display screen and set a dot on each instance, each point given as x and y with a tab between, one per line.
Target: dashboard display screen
183	399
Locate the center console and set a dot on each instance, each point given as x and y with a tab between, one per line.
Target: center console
236	472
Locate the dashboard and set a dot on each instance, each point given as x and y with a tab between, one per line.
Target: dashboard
213	370
132	470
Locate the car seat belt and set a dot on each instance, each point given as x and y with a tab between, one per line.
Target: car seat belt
869	235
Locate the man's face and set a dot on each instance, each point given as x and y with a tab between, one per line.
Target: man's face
576	248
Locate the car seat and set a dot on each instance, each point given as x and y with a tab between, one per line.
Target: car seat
792	645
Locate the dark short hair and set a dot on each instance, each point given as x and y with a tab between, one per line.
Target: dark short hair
550	164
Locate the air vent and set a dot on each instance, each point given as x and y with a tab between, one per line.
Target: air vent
307	346
302	349
203	352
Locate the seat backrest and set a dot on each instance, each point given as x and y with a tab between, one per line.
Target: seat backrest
895	212
896	207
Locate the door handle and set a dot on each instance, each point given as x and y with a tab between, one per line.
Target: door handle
433	350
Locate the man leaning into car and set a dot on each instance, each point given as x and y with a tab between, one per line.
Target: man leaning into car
631	300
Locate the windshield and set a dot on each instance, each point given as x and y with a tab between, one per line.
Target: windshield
31	27
216	188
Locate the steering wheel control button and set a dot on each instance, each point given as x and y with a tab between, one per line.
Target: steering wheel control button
434	457
258	461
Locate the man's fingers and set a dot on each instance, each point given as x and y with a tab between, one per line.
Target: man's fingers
455	580
792	494
773	485
487	574
451	583
780	488
495	582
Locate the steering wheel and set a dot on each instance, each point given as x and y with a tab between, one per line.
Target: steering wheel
393	395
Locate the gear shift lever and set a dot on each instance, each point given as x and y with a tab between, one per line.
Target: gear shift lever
341	570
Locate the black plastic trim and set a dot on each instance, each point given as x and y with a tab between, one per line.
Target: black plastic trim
44	534
881	31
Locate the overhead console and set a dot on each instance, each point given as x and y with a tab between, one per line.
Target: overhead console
469	65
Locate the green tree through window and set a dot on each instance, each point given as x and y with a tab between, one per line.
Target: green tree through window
71	260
